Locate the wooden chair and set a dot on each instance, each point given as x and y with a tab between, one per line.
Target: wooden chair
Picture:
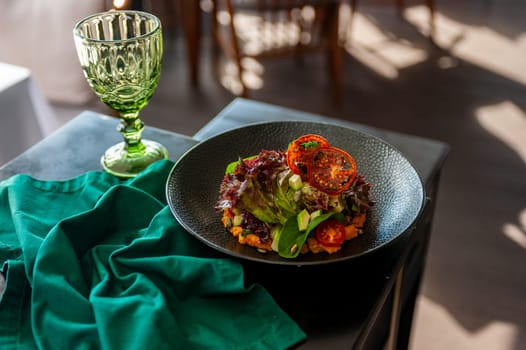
276	28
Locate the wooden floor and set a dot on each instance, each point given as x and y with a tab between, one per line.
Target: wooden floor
467	88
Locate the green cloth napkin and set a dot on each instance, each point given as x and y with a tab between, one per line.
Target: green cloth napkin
95	262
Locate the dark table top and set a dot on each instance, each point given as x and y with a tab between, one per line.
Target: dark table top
334	304
77	147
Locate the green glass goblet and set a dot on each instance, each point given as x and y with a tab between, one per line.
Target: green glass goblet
120	53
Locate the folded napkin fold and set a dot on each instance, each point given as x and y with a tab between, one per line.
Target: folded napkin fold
95	262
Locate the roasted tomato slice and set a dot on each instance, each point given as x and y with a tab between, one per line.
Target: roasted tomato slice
331	170
330	233
299	151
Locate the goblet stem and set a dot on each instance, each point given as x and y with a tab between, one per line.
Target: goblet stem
130	157
131	127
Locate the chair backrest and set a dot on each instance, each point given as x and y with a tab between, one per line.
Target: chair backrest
275	25
269	28
270	5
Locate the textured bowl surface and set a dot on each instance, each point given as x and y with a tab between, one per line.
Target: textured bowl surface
192	187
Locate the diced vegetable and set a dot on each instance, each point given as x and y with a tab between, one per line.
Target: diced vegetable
295	182
303	219
315	214
238	219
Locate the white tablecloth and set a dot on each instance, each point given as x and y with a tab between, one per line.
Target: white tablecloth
25	115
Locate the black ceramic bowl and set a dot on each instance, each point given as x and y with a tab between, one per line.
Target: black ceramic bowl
192	187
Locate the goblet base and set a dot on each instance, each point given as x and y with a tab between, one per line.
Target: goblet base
121	163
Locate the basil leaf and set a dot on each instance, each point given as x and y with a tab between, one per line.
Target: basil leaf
321	218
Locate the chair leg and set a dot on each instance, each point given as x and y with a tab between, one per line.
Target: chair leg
334	51
229	46
235	48
400	4
353	4
431	7
214	40
298	47
190	17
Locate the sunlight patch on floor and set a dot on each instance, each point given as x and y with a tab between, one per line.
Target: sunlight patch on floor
517	232
385	55
507	122
494	335
479	45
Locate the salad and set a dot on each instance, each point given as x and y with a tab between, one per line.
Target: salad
309	198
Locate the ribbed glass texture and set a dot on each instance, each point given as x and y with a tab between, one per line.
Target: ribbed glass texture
120	53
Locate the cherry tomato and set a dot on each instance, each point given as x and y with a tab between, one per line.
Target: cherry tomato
331	170
330	233
300	149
